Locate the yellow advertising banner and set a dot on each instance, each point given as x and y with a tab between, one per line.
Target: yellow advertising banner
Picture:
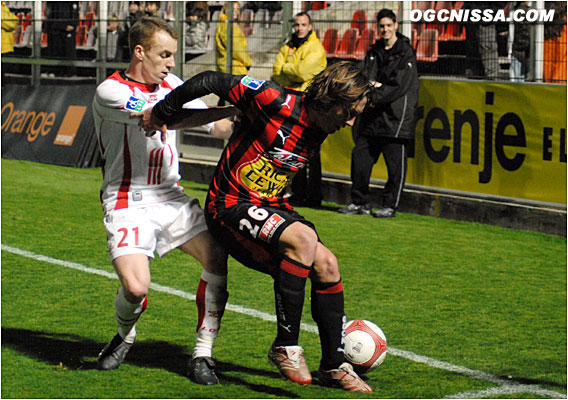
499	139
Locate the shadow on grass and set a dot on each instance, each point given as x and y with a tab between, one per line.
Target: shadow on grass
73	352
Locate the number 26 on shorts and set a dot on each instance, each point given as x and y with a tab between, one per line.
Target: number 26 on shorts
257	214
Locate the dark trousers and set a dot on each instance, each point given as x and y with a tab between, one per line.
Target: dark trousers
365	155
61	45
306	184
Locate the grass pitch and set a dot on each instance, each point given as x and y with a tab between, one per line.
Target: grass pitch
469	310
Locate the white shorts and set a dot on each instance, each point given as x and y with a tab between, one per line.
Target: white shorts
158	227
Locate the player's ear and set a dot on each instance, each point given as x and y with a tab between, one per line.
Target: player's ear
138	51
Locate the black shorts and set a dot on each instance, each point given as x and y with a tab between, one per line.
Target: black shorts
251	233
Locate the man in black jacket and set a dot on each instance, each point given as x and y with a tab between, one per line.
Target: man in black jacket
61	21
387	124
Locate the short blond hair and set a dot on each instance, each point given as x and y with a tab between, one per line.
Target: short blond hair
142	32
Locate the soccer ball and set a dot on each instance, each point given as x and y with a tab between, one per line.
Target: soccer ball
365	345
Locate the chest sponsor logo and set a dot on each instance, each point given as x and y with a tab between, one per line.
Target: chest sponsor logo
135	104
152	98
264	178
251	83
270	226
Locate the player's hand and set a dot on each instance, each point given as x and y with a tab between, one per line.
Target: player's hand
150	124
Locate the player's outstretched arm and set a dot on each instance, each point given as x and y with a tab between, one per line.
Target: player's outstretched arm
190	118
186	118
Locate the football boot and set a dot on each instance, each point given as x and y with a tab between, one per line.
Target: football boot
112	355
290	363
202	370
345	378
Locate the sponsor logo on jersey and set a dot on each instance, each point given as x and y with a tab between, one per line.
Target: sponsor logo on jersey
135	104
152	98
270	226
287	158
251	83
263	178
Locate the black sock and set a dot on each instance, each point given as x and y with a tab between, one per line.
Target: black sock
328	312
289	290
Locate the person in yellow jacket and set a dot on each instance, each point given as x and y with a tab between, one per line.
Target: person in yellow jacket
298	61
241	58
9	25
301	58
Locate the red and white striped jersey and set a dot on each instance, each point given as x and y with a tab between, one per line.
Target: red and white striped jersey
138	170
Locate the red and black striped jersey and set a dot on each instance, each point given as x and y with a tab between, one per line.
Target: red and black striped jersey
271	142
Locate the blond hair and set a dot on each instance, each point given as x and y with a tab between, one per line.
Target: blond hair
142	32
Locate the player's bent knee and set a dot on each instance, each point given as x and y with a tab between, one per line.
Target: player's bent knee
135	291
326	266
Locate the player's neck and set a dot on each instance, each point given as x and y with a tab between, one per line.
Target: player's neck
134	72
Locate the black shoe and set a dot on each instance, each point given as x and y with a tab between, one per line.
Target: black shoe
202	370
352	209
385	212
112	355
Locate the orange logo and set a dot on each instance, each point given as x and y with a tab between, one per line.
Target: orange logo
70	125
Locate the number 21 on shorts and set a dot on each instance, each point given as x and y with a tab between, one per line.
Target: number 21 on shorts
126	238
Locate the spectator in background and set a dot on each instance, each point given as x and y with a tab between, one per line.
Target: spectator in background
298	61
153	9
196	33
61	21
271	6
473	65
554	65
241	58
386	125
521	47
113	35
488	39
9	25
134	14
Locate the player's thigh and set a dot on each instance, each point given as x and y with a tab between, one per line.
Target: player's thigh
251	233
181	221
299	242
205	249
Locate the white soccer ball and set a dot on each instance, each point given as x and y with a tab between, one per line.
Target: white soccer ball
365	345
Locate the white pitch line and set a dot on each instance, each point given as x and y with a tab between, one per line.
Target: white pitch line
505	386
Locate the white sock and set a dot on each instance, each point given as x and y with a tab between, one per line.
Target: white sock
211	299
127	314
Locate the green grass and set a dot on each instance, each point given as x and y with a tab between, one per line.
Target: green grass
482	297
